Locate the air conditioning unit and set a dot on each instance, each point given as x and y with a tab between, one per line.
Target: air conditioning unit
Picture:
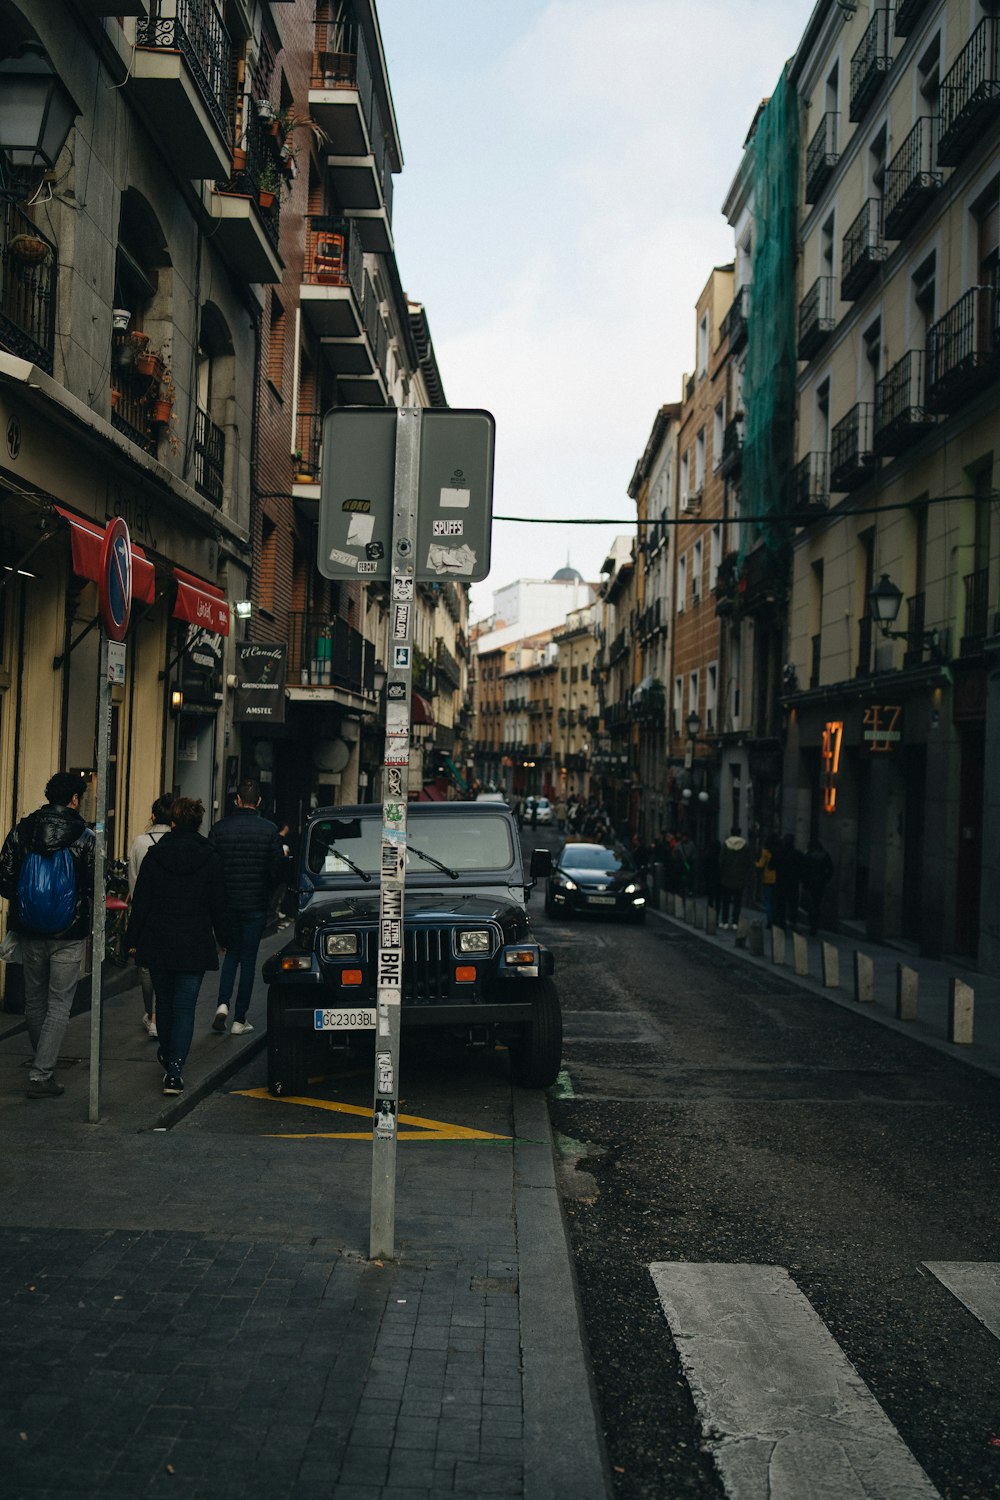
691	503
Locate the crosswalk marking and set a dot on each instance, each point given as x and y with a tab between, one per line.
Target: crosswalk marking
784	1412
976	1284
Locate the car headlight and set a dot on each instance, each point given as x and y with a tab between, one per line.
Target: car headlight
631	890
566	883
474	942
337	944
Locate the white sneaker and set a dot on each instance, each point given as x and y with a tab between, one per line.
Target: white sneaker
221	1016
239	1027
150	1024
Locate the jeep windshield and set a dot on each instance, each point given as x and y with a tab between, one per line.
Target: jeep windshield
467	844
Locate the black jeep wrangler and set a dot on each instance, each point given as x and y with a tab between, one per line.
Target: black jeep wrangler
471	964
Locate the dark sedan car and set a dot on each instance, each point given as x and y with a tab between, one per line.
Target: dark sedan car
592	878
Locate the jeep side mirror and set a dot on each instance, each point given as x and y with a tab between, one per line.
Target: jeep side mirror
541	863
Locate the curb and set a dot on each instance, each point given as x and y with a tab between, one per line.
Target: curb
564	1457
173	1113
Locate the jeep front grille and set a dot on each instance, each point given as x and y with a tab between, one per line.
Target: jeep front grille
426	965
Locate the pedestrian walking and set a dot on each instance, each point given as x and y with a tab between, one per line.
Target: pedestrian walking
141	845
685	855
768	876
252	859
560	812
817	870
47	875
284	898
735	861
786	882
177	923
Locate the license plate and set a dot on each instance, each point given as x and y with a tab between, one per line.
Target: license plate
601	900
344	1020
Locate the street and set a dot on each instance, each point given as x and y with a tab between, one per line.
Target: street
715	1116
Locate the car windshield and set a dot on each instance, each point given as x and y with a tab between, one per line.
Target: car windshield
462	843
593	857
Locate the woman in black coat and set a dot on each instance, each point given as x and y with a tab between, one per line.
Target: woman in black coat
176	927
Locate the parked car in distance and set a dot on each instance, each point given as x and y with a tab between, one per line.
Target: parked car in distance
472	965
595	879
544	810
491	797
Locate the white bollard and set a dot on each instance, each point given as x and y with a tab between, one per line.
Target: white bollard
961	997
777	945
907	982
831	966
800	951
711	921
864	979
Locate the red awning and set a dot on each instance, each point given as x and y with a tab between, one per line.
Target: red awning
421	711
201	603
87	538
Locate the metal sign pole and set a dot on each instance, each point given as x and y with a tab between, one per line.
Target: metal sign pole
100	843
395	778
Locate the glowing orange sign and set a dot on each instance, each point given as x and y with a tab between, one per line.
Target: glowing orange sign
833	735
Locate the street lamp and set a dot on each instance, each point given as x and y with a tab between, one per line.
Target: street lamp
884	601
693	724
36	110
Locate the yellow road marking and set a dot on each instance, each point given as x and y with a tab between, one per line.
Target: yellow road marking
428	1130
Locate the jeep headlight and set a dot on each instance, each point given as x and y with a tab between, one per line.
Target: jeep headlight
339	944
474	942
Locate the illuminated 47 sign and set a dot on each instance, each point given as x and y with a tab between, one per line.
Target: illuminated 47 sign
883	727
833	738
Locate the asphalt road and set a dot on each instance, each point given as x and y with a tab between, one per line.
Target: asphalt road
713	1117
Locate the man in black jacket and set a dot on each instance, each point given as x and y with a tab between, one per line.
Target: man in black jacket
252	856
51	959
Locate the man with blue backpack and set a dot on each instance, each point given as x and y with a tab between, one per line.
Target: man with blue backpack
47	875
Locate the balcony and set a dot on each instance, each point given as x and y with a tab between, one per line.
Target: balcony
852	462
732	449
132	396
734	324
180	76
916	642
809	489
451	672
910	179
308	447
976	612
339	302
901	419
325	652
247	219
962	350
29	265
209	457
863	252
970	95
344	103
908	13
822	156
870	64
816	317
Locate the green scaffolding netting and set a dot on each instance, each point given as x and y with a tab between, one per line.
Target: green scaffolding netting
770	369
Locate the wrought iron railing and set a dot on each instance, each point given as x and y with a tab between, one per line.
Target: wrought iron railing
448	667
340	61
28	271
809	484
308	443
132	395
822	155
260	160
734	324
334	255
325	652
817	318
976	610
962	349
209	457
864	250
970	93
907	15
852	462
870	63
196	30
910	179
732	447
900	414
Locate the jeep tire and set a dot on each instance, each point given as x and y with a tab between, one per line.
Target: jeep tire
288	1050
536	1055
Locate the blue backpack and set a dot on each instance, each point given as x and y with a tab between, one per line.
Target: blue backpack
46	892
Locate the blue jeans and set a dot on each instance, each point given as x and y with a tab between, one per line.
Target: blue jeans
176	994
246	931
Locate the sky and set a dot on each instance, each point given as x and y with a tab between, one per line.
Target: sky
558	213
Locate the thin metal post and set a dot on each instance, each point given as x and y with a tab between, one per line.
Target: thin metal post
393	853
100	844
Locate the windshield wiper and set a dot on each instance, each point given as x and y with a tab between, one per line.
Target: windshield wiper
432	861
356	869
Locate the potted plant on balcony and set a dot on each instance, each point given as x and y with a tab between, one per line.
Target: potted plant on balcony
149	364
163	403
268	185
29	249
121	317
302	475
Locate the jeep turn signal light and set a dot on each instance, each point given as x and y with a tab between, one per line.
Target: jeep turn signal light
465	974
351	976
296	961
521	956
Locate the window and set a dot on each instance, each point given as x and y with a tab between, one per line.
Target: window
268	563
276	345
685	475
699	462
833	89
703	346
821	425
696	565
715	553
718	433
693	693
987	215
871	341
678	703
711	695
929	74
876	164
924	296
826	238
682	573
